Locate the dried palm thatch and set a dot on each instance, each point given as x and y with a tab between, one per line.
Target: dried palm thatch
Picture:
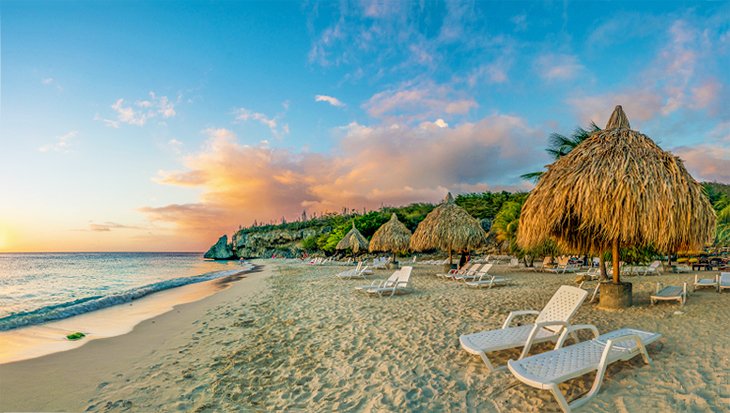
449	228
393	236
353	240
617	188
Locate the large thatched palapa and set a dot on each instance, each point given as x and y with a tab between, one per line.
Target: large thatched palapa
449	228
617	188
353	240
392	236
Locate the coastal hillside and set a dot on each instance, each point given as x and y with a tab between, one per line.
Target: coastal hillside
320	234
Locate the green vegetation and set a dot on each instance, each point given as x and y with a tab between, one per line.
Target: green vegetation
561	145
76	336
499	213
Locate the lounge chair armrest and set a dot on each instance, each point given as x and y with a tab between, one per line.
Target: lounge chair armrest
572	329
513	314
537	327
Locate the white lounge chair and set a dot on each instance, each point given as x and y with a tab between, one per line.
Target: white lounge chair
669	292
357	272
547	370
682	268
655	268
487	280
463	270
473	274
592	273
402	284
514	262
548	325
706	282
724	281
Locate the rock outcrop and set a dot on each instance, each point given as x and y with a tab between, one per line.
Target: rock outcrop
281	242
222	250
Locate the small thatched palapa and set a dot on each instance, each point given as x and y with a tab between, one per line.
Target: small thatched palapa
449	228
393	236
617	188
353	240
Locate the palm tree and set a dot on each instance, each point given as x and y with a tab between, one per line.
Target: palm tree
561	145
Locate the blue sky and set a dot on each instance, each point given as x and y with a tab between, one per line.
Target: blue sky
159	125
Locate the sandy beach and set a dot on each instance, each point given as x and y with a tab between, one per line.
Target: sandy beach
293	337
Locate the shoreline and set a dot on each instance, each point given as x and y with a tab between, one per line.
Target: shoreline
38	340
67	378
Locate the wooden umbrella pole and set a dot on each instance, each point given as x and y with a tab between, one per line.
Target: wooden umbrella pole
614	255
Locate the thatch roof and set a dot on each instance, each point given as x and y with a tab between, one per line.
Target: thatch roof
617	185
353	240
449	228
393	236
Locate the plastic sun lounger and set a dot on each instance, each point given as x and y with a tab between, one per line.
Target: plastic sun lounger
547	370
469	266
475	273
548	326
487	280
400	285
669	292
724	281
706	282
358	272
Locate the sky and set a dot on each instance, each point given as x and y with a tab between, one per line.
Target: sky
160	126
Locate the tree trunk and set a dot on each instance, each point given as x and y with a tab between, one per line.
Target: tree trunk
616	262
602	266
451	261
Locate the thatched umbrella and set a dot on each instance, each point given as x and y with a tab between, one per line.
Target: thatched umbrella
392	236
353	240
617	188
448	227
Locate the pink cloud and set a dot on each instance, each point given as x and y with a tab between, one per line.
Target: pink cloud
706	162
419	102
558	66
372	166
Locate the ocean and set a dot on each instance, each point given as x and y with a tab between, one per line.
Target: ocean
39	287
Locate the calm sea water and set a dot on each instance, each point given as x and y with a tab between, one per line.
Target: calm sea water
36	288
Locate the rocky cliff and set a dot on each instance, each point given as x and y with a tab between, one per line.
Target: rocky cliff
246	244
222	250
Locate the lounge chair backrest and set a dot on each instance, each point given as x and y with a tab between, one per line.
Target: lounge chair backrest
546	261
725	278
405	275
562	306
485	268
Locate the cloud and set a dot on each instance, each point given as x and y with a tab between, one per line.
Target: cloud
391	164
139	113
706	162
108	227
63	143
638	104
680	76
418	102
49	81
244	115
558	66
329	99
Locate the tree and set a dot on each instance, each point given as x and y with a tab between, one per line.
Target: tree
561	145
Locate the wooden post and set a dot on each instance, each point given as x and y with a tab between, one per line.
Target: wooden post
616	262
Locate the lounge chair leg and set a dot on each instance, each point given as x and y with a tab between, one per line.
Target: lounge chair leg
486	361
560	398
